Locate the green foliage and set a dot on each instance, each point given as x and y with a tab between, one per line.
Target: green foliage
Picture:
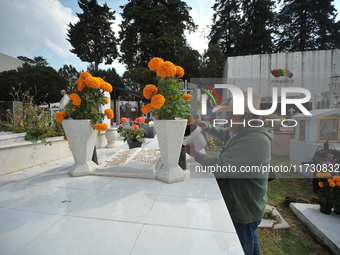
91	99
35	121
134	78
133	135
92	37
70	74
39	61
42	83
175	106
243	27
307	25
213	62
154	29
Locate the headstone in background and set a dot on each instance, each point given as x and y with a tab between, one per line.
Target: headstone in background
10	108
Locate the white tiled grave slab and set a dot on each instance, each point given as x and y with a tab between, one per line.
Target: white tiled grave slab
44	211
137	162
324	226
158	240
79	236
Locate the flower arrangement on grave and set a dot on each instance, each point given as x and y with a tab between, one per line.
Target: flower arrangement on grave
167	101
329	188
86	100
135	133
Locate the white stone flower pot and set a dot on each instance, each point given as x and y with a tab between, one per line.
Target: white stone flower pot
170	138
81	138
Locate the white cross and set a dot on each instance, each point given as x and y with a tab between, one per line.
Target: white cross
185	88
291	110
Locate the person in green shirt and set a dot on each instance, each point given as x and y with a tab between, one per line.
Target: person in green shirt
247	152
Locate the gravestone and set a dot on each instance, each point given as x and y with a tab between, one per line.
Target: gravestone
10	108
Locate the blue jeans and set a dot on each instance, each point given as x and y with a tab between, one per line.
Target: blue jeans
247	233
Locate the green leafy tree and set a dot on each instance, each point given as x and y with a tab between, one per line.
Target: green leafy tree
257	24
39	61
136	79
69	73
154	28
307	25
91	37
111	76
243	27
226	27
43	83
213	62
190	60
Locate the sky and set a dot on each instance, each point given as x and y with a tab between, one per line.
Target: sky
34	28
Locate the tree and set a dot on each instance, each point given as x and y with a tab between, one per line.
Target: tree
69	73
40	61
307	25
257	24
91	37
213	62
154	28
226	30
43	83
111	76
243	27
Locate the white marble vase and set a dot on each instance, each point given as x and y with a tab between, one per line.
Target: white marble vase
81	138
170	135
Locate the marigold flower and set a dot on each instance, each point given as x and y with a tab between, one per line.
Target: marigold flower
157	101
149	90
100	126
332	184
139	120
327	174
75	98
124	120
320	175
330	181
135	127
109	113
81	84
167	69
154	63
336	178
106	86
179	71
106	100
93	82
147	108
321	185
187	97
59	116
84	75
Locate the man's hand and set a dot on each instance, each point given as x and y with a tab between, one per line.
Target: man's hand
191	149
204	126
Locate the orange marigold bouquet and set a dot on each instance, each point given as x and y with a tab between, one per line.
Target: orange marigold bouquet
166	100
329	188
86	100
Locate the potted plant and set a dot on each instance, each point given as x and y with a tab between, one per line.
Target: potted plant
327	191
172	111
135	135
82	117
